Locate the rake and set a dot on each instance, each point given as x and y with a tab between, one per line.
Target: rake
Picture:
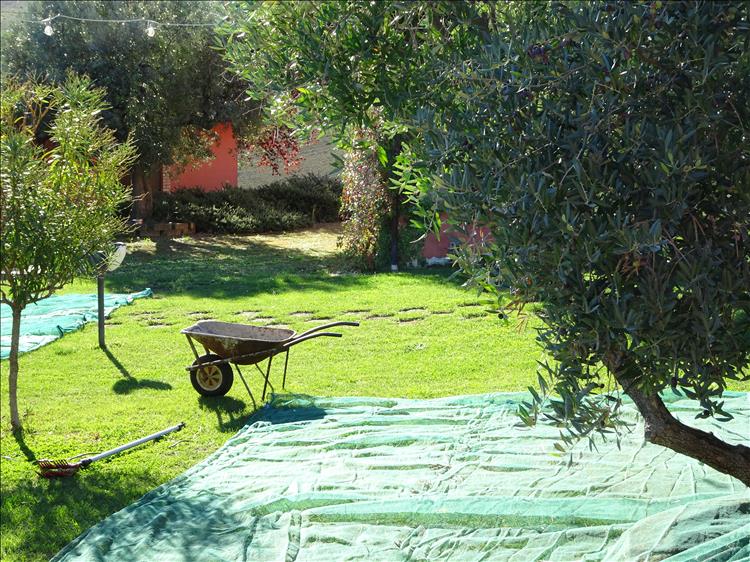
61	468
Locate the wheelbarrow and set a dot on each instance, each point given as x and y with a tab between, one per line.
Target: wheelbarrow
226	343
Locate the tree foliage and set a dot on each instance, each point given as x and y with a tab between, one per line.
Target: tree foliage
606	145
165	92
60	199
347	67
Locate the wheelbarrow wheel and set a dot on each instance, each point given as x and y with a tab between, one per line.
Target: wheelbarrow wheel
213	380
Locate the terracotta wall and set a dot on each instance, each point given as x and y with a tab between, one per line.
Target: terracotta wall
213	174
435	247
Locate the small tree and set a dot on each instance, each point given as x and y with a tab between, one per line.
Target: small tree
607	145
60	198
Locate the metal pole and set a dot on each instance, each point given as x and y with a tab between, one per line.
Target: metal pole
100	299
132	444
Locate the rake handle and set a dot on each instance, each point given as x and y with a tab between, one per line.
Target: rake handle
85	462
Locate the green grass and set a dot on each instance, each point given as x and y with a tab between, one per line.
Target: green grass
421	336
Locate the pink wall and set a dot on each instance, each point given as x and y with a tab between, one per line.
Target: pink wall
213	174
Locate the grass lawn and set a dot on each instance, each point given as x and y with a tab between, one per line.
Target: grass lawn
421	335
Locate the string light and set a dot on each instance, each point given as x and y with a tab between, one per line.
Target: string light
150	29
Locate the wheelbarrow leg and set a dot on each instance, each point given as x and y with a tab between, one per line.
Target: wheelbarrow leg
286	362
192	346
268	374
246	387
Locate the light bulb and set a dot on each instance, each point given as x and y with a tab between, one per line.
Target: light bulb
150	30
48	30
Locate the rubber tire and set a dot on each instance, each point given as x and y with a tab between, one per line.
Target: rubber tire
227	376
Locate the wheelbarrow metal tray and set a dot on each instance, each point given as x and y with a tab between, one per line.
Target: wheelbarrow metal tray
232	341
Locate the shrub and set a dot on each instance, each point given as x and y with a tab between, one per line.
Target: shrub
365	202
290	204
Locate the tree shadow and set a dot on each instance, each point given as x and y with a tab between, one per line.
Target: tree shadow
233	266
43	515
231	414
129	383
46	515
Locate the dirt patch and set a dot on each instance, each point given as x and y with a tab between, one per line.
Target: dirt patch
379	316
470	315
414	309
319	318
357	311
409	319
469	304
441	312
299	313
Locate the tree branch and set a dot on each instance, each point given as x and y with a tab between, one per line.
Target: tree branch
661	428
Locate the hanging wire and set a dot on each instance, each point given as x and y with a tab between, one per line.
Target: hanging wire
50	19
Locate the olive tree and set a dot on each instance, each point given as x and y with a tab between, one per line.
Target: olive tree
60	197
607	147
352	69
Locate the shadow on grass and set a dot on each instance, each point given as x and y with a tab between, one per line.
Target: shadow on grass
40	516
19	437
231	414
120	367
126	386
230	267
129	383
43	516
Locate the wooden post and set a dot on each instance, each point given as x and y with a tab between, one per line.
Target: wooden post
100	299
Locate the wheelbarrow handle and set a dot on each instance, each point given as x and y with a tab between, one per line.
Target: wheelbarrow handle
304	337
324	326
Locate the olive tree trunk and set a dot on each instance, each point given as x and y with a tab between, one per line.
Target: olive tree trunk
143	197
661	428
15	336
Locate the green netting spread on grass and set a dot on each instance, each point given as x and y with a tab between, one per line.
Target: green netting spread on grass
449	479
45	321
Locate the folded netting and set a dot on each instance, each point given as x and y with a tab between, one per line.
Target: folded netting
45	321
329	479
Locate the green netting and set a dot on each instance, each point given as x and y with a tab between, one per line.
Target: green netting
449	479
50	318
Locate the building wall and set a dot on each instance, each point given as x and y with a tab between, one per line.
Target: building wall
213	174
317	158
435	247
